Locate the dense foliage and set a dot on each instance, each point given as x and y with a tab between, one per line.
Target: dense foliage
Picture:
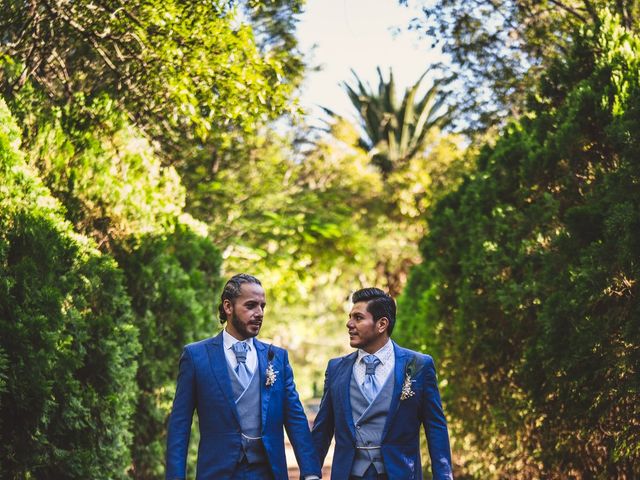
182	71
68	370
121	109
528	294
116	191
499	48
172	279
138	160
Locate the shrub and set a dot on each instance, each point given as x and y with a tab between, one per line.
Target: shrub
66	330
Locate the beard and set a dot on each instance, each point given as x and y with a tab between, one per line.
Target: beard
242	328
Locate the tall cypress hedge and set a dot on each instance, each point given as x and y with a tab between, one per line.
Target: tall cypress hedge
528	296
113	189
67	334
173	279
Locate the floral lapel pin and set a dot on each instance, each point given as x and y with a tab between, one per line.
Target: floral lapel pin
271	374
407	392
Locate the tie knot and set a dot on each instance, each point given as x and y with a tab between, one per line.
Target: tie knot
371	362
240	349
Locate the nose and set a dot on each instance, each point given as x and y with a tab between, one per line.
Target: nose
350	324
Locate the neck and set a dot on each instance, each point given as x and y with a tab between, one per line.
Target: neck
231	331
377	345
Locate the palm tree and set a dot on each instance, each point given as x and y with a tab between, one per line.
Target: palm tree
394	133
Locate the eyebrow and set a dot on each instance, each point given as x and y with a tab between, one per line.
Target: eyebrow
254	301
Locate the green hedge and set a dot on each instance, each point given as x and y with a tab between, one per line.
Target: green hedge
528	294
173	280
66	330
114	189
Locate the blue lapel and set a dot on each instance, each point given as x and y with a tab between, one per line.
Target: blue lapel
398	374
343	383
265	392
218	362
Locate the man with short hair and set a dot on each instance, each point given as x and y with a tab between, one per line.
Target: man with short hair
376	399
244	393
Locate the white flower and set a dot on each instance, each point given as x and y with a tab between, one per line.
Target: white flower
271	375
406	388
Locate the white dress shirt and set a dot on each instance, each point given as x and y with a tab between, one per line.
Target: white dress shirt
252	357
387	362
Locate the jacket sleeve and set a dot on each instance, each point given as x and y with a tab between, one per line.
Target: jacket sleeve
297	426
324	423
179	429
435	425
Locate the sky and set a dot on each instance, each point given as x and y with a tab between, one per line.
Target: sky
357	34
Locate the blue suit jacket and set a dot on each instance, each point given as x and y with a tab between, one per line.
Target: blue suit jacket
401	435
204	385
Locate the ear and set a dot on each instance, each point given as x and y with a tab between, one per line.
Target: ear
227	306
382	324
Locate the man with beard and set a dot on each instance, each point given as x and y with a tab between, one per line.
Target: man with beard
244	393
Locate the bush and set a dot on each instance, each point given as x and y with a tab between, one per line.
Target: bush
67	334
528	294
115	190
173	280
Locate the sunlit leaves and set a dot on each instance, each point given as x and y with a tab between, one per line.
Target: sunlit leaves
67	337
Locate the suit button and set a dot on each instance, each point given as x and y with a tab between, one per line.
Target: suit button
358	427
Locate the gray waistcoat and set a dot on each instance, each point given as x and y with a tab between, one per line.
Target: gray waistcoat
369	420
250	413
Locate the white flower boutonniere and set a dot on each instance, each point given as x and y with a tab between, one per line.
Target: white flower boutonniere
407	391
271	374
406	388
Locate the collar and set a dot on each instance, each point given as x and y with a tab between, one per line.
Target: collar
384	354
229	340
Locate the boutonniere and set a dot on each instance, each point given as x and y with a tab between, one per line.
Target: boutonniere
271	374
407	392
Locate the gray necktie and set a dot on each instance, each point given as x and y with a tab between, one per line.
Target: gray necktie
370	385
244	375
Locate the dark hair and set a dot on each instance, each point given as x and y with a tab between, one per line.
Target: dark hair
231	291
379	304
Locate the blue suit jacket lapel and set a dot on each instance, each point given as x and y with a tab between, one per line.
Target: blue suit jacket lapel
343	382
265	392
398	374
218	363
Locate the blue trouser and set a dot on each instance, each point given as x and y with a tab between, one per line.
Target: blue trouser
371	474
252	471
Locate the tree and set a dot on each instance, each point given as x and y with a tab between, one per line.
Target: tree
417	162
185	73
67	373
499	48
116	190
394	133
527	295
172	277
